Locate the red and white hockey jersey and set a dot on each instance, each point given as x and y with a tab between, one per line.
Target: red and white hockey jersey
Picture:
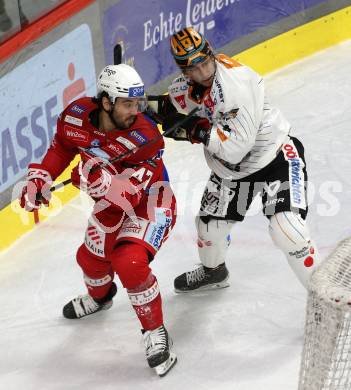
76	134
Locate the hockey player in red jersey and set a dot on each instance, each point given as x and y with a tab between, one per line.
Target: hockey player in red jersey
250	151
134	209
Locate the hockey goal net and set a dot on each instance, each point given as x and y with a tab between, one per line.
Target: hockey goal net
326	357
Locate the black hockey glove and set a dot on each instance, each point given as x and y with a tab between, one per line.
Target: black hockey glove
195	130
160	105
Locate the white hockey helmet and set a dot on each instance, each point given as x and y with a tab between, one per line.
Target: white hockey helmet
120	81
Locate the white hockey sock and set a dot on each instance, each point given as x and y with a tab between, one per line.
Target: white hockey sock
213	241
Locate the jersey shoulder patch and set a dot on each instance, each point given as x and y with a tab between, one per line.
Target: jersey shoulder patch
80	107
140	133
228	62
143	130
77	113
73	125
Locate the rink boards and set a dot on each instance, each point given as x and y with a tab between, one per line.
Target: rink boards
263	57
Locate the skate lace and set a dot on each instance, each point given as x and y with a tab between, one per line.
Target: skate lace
195	276
84	304
155	341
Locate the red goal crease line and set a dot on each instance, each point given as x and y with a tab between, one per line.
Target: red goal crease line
41	26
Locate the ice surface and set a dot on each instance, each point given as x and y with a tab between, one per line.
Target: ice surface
246	337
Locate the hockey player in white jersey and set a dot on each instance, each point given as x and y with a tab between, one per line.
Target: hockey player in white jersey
249	150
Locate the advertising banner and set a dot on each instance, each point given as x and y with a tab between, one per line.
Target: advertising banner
143	28
33	95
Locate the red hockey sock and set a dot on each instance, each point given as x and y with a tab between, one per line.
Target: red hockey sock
98	274
147	303
131	263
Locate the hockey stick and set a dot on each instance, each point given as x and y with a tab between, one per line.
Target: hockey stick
179	123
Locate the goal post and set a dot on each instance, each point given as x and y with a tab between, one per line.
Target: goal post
326	356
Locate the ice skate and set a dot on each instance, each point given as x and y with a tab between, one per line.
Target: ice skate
202	278
85	305
158	350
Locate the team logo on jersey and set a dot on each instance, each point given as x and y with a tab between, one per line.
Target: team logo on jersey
180	100
95	143
77	109
138	136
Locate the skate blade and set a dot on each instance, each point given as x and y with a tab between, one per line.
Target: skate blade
162	369
209	287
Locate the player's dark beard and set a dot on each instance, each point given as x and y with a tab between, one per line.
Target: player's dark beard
117	123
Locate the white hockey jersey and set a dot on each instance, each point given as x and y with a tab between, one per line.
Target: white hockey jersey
247	132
